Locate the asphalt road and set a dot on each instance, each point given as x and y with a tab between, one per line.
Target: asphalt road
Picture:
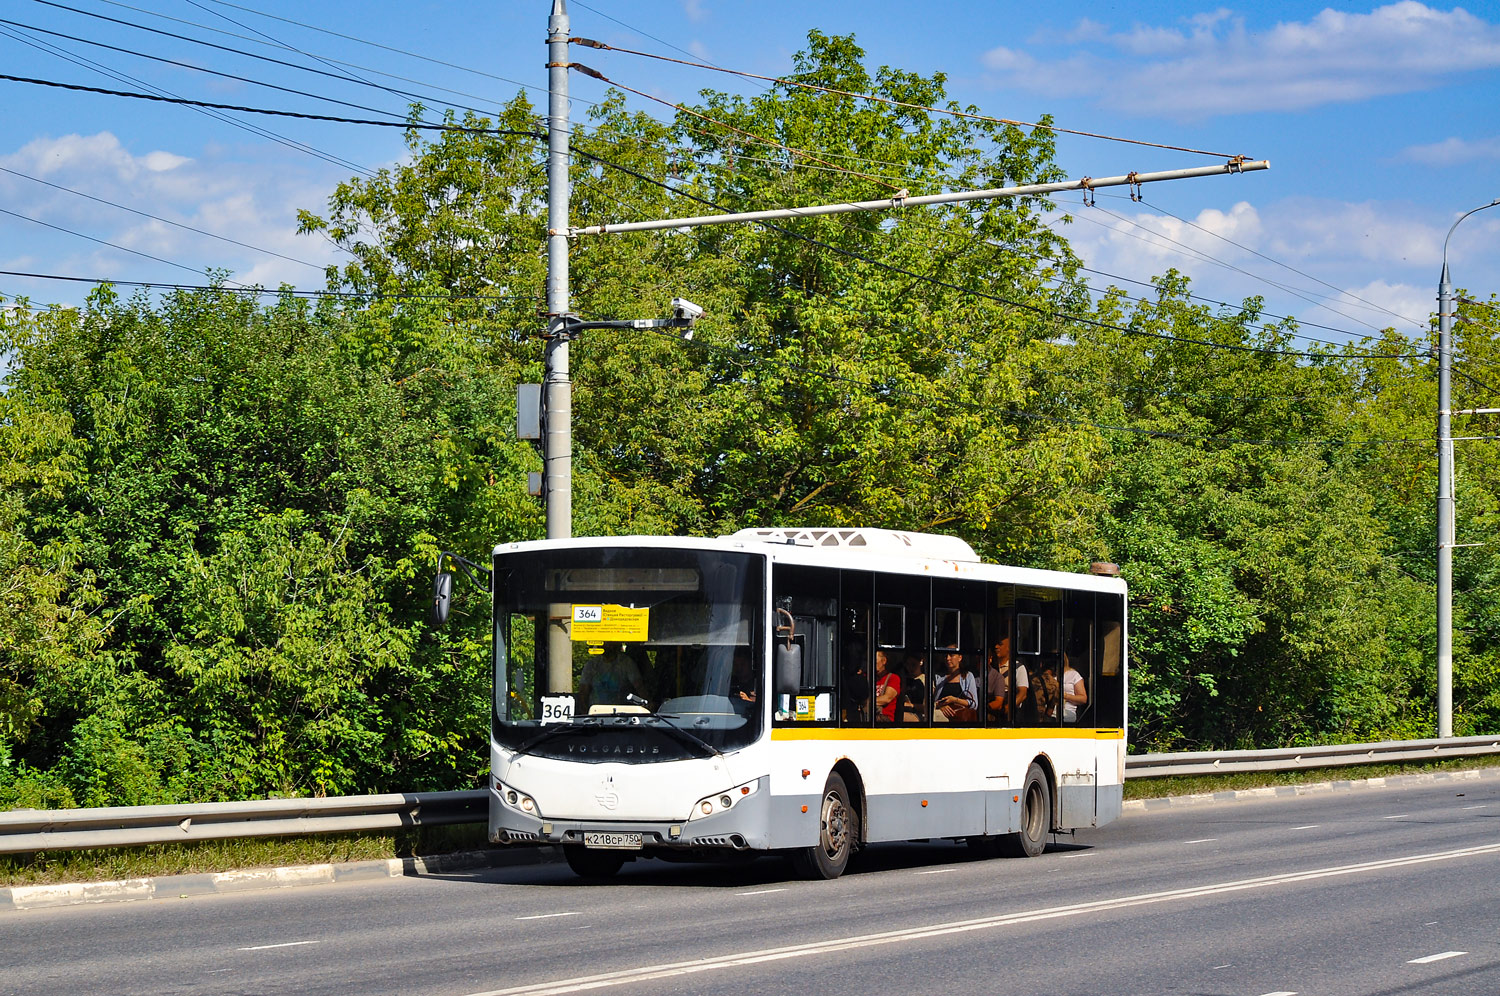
1379	891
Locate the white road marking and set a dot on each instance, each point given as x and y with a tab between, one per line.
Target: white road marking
759	892
547	916
288	944
1200	840
1482	805
1310	826
1400	816
672	970
1436	957
1280	992
936	871
1430	923
1217	967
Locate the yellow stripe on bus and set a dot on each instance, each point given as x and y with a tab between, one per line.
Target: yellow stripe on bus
938	733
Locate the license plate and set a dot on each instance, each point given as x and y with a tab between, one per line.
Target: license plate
623	841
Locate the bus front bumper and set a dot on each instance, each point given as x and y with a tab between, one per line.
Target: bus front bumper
743	827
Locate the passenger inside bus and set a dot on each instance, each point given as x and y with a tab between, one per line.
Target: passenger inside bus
1074	694
914	690
1046	691
887	688
998	687
955	698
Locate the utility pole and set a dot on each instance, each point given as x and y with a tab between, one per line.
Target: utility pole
557	403
557	389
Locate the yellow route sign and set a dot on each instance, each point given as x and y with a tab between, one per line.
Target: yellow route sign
617	623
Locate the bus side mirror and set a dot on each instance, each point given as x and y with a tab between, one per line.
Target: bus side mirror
787	676
442	597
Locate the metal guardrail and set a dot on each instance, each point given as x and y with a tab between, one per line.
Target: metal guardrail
127	826
25	830
1297	758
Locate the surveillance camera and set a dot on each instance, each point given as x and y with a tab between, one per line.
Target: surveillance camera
685	310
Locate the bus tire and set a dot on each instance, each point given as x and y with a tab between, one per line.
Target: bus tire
588	863
838	833
1036	817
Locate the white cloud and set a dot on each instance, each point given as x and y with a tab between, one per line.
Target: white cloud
1452	151
1378	300
1213	64
1357	267
694	10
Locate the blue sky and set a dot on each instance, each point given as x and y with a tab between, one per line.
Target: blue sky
1381	122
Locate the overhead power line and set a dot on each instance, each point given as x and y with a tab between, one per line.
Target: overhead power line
165	221
590	43
261	291
233	122
1022	305
407	125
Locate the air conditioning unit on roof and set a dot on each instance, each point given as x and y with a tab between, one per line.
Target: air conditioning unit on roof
890	542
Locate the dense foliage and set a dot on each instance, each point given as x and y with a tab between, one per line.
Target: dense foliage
218	517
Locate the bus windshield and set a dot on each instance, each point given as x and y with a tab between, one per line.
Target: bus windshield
642	645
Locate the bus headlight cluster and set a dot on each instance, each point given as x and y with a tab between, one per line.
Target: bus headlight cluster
720	801
519	801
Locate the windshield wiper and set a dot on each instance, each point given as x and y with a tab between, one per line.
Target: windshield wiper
687	737
590	723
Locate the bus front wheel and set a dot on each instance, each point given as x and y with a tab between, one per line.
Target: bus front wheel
1036	818
592	863
838	834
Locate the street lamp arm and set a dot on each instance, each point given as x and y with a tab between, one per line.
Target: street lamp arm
1455	225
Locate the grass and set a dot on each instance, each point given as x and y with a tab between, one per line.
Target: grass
1157	788
112	864
55	867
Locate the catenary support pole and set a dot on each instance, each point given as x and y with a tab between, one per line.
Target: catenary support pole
557	389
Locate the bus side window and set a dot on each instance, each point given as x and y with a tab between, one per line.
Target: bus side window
902	610
1108	695
806	604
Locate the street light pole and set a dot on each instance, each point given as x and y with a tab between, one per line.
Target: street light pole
1445	503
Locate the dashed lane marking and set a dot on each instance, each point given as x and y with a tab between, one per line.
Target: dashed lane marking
1398	816
1201	840
936	871
1437	957
759	892
287	944
679	969
547	916
1310	826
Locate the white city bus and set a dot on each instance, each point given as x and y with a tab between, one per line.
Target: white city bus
802	691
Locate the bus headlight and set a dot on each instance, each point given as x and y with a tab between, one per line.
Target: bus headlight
720	801
519	801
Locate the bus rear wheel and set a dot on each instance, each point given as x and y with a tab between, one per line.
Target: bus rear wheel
837	835
593	863
1036	818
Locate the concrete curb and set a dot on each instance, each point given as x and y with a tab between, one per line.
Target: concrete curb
1312	788
30	897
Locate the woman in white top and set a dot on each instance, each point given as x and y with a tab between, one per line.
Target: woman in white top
1073	692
